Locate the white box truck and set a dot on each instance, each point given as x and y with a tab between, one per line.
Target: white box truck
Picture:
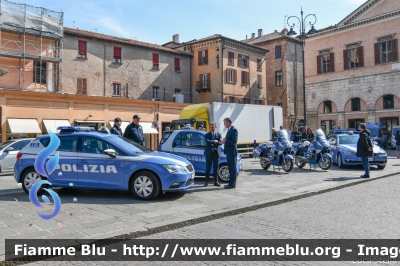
253	122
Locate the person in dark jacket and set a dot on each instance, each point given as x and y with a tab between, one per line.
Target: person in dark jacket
364	148
213	140
303	134
274	135
310	135
296	135
116	129
134	131
397	138
231	151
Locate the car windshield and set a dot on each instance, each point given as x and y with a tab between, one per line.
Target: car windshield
5	144
127	144
394	130
319	133
348	139
374	131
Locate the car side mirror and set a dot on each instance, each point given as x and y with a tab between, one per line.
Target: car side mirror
9	149
110	152
174	144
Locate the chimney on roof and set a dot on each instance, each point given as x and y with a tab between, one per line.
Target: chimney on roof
175	38
259	32
275	31
246	36
253	35
284	31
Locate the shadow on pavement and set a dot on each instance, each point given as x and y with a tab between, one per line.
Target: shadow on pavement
338	179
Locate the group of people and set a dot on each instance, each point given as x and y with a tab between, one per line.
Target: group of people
133	131
296	135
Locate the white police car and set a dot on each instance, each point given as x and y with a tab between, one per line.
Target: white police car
190	144
100	160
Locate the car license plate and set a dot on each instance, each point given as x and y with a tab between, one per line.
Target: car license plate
370	159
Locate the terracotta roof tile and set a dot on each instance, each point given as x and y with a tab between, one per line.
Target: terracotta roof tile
267	37
105	37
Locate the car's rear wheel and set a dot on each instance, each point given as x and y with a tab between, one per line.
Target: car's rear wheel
29	178
145	185
340	161
223	173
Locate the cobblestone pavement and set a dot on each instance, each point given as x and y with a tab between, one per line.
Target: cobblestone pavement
368	210
101	214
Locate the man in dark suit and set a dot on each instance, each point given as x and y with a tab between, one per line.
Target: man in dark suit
230	149
213	140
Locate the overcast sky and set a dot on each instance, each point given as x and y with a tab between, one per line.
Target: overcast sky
156	21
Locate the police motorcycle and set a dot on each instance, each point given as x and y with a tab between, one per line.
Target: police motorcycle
316	152
276	153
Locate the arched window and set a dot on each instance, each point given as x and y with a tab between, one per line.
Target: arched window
388	102
327	107
355	104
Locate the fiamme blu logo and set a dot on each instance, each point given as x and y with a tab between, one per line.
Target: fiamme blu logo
45	166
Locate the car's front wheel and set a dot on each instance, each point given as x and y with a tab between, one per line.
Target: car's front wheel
223	173
381	167
145	185
340	161
29	178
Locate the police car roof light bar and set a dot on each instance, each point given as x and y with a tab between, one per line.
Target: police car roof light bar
76	129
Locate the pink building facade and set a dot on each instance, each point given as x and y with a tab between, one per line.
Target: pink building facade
353	69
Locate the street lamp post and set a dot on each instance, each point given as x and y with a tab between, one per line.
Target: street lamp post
302	25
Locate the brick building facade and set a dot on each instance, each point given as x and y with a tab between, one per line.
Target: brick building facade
284	73
104	65
353	69
226	70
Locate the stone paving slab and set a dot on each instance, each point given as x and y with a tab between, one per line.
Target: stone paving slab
103	213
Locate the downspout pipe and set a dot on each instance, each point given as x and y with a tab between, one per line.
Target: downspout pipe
222	69
104	71
191	93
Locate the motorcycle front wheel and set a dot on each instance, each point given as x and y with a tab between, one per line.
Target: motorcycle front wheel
264	164
287	165
325	163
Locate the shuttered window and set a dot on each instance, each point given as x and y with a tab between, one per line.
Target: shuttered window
82	48
81	86
202	57
386	51
155	61
155	92
117	54
326	63
259	65
177	63
231	58
245	78
278	79
117	89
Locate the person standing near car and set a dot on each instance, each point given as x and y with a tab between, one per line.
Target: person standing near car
116	129
397	138
230	149
364	148
213	140
134	131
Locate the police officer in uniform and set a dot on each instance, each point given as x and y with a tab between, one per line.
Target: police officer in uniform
116	129
134	131
296	135
274	135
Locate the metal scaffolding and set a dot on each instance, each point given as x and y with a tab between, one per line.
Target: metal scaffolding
31	41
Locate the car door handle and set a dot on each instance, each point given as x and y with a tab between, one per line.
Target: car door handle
83	161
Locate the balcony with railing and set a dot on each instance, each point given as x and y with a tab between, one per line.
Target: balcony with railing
203	86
